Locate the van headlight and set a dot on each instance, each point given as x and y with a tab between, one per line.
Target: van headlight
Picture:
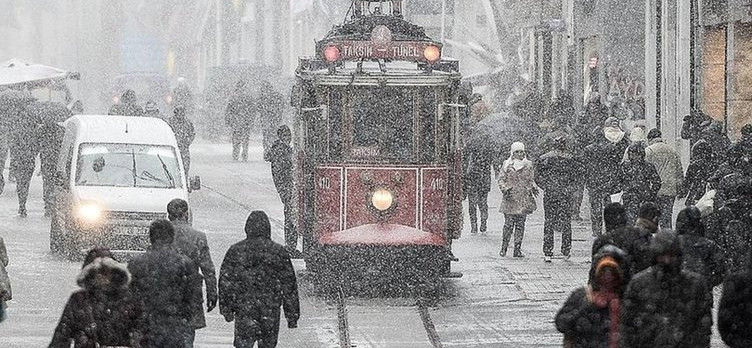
89	212
382	199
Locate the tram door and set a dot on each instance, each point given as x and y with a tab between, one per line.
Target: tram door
451	115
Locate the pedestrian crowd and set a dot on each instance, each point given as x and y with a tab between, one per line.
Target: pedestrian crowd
156	300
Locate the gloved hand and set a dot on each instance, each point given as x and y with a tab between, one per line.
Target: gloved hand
211	301
705	203
292	324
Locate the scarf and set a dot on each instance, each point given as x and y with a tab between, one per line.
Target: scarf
516	164
613	134
610	300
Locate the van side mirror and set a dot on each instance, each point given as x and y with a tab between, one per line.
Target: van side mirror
194	183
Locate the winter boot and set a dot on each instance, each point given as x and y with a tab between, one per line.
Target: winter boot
504	247
518	251
473	228
483	226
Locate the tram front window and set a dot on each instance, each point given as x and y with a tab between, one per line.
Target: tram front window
382	125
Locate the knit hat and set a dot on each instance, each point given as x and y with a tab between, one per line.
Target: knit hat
516	146
654	133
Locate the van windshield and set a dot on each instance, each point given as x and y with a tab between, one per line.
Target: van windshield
128	165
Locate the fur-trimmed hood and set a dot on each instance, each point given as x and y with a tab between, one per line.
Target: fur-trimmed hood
119	276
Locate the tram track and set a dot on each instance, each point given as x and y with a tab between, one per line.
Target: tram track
345	337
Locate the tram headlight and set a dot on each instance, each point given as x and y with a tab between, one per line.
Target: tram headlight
432	53
382	199
89	212
331	54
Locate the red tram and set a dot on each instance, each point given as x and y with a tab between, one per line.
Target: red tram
377	139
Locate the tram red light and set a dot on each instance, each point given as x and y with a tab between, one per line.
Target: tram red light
432	53
331	54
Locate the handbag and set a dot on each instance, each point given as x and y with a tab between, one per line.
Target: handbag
529	205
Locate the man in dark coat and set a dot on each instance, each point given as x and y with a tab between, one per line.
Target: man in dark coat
701	255
104	312
24	148
632	240
192	243
255	280
280	156
168	285
665	306
128	105
558	175
270	107
239	117
477	181
735	309
51	139
184	134
731	225
590	317
640	181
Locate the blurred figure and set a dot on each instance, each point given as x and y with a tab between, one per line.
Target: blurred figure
715	135
152	110
517	184
666	161
731	225
590	317
698	173
104	312
270	107
183	95
128	105
184	134
168	285
6	293
477	181
239	117
192	243
734	314
280	156
255	280
701	255
640	181
692	126
24	148
557	174
664	305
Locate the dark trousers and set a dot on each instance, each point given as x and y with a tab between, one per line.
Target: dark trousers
577	196
240	140
291	236
252	329
478	201
557	213
23	171
666	204
598	200
513	223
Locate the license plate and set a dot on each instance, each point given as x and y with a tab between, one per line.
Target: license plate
132	231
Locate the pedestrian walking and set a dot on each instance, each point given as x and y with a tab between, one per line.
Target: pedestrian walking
713	132
280	156
701	255
480	158
51	140
666	161
255	280
128	105
698	173
239	116
24	148
664	305
517	184
639	180
6	293
634	240
104	311
734	314
557	173
692	126
184	134
731	225
152	110
192	243
270	107
168	284
590	317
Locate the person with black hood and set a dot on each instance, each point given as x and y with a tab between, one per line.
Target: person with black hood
192	243
698	173
735	308
128	105
239	116
558	174
701	255
104	312
168	285
590	317
640	181
280	156
255	280
664	305
184	134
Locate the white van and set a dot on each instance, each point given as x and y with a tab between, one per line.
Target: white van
115	175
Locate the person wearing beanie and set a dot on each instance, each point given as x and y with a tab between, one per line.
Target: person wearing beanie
667	162
256	279
640	181
591	315
665	305
518	189
104	311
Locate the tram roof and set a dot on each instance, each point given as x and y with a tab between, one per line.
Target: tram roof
396	73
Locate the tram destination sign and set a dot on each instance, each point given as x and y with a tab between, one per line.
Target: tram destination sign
397	50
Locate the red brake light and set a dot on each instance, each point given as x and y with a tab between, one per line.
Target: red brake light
331	54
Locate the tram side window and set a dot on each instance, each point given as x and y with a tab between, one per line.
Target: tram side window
427	114
336	110
382	124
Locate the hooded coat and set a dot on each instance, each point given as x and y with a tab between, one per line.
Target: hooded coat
735	309
701	255
100	314
584	322
665	306
257	278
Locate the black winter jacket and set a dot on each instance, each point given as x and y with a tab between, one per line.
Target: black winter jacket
640	182
735	310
